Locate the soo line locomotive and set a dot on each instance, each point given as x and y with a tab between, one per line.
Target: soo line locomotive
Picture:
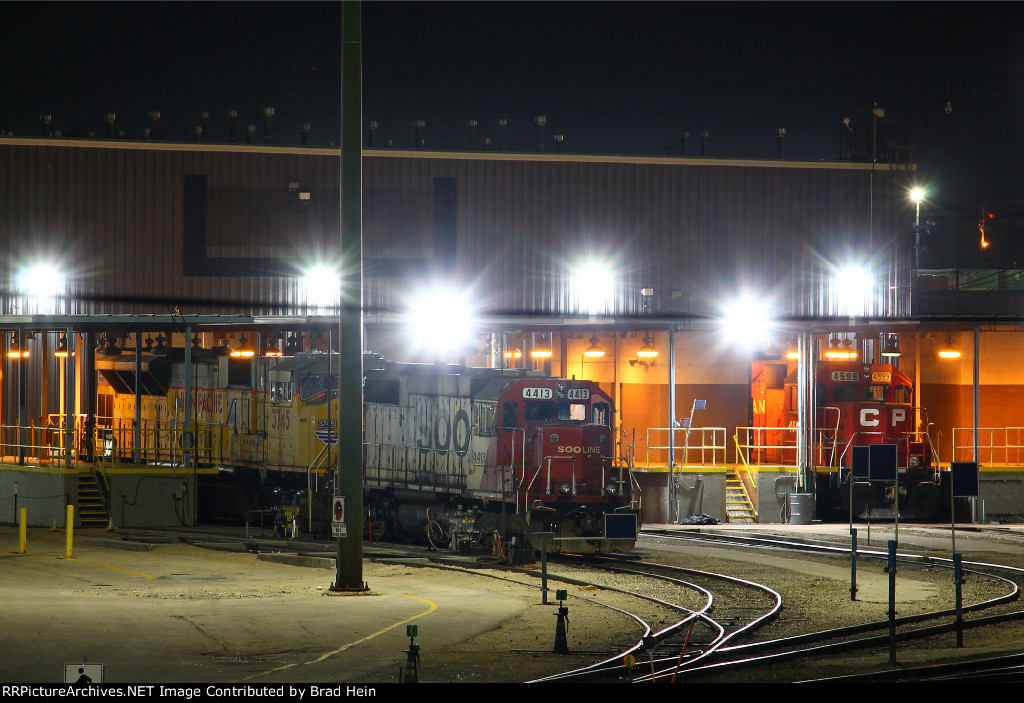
474	458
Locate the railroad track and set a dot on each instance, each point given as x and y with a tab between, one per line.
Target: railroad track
821	644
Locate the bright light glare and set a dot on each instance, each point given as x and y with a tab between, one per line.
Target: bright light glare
592	288
917	194
441	320
40	285
853	288
748	322
322	287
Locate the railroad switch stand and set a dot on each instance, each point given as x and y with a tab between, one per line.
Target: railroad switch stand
410	674
561	645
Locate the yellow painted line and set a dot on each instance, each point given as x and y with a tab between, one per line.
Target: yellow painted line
80	561
112	568
339	650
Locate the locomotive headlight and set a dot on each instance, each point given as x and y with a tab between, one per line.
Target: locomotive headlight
553	437
612	489
565	489
915	461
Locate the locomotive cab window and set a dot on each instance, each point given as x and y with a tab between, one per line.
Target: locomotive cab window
874	394
510	414
602	414
902	395
844	393
313	388
281	391
540	410
483	419
572	411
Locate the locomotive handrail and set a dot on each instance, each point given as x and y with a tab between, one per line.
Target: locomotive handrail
317	461
512	458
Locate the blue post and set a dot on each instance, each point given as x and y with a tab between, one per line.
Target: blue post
853	563
959	579
891	570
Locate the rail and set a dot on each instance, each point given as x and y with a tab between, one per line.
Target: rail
997	446
710	447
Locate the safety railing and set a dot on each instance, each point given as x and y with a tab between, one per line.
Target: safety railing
997	446
118	441
42	443
743	471
691	446
777	446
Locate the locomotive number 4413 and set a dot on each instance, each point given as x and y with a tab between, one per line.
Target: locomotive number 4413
537	393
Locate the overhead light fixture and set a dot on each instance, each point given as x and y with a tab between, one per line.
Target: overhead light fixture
541	351
243	350
891	347
845	352
17	351
594	351
110	349
160	348
514	353
272	349
61	352
949	351
792	351
647	351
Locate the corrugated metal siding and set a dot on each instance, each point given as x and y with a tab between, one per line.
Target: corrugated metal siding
703	229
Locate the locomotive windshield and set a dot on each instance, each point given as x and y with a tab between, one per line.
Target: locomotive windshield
313	388
550	410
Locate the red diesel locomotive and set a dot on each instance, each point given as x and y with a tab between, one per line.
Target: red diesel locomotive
856	405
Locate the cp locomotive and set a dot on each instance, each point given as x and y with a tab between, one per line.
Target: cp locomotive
455	453
857	405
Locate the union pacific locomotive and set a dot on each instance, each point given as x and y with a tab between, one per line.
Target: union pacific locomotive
458	454
857	405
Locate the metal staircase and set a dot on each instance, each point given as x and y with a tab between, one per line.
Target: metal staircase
92	509
738	507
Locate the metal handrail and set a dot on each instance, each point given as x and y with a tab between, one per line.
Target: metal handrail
1007	441
716	448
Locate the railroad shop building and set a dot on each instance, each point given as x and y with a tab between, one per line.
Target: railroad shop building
110	245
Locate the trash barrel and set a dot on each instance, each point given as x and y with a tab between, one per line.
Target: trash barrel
801	508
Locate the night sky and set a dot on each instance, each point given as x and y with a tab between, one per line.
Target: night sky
613	78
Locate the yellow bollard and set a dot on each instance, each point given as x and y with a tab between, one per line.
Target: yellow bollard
22	535
71	528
